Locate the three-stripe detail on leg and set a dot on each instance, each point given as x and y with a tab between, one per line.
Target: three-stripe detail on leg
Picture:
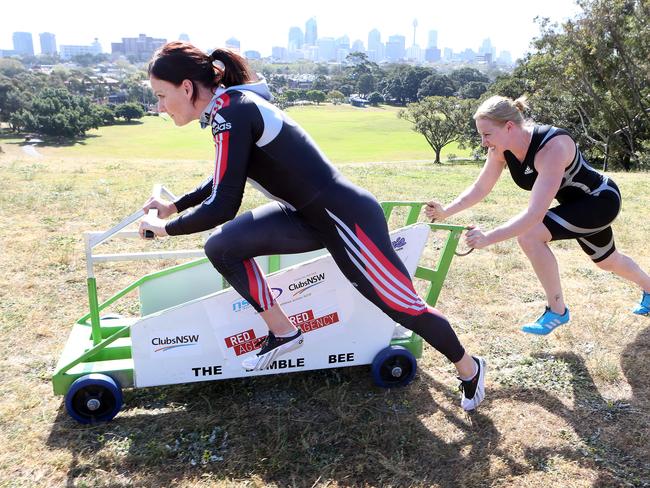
257	285
392	286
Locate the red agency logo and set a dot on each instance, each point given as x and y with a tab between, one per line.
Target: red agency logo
168	343
301	286
244	342
307	322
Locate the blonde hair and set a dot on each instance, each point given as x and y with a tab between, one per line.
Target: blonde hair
502	109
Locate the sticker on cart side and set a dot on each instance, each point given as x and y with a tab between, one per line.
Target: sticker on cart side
174	345
306	286
308	321
242	305
244	342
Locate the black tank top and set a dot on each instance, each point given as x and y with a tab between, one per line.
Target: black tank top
579	179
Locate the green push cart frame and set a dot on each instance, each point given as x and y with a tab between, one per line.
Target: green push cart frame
104	346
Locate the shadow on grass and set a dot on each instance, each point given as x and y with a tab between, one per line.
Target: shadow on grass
333	426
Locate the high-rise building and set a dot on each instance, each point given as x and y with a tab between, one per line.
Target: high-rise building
279	53
252	55
448	54
232	44
326	49
415	54
487	48
296	39
433	39
396	48
432	54
23	43
70	51
505	57
311	32
184	37
140	48
48	43
358	47
375	46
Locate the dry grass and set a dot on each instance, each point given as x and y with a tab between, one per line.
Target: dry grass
570	410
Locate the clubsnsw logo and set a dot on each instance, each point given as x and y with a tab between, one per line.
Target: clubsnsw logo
302	285
168	343
528	170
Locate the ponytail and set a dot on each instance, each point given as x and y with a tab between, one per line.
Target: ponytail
502	109
177	61
231	68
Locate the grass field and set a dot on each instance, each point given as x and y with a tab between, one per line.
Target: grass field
344	133
569	410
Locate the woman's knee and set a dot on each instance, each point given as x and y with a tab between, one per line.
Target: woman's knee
534	237
611	262
216	246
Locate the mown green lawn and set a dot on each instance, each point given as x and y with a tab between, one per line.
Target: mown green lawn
344	133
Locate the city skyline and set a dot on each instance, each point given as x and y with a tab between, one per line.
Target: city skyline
462	25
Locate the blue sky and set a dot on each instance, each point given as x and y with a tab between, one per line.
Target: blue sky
260	25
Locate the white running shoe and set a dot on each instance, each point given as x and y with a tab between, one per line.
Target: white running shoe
473	391
272	348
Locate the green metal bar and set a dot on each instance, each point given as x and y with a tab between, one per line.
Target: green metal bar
136	284
94	311
123	332
274	263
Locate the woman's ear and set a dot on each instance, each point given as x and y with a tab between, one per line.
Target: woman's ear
188	87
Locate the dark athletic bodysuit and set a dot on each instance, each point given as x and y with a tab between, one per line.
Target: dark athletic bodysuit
588	200
315	207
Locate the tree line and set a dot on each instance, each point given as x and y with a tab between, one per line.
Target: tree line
61	104
589	75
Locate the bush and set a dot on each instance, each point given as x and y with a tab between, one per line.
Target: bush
375	99
129	111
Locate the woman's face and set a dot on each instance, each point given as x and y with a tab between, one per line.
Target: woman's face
176	101
494	135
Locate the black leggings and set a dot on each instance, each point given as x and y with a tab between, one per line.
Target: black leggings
349	222
588	219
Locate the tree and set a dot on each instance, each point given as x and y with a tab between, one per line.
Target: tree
375	99
336	97
129	111
105	114
473	89
316	96
57	112
439	119
436	85
320	83
590	76
463	76
11	67
365	84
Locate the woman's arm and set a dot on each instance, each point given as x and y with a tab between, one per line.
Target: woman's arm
550	164
481	187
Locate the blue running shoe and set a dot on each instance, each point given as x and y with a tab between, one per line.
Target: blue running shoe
547	323
643	308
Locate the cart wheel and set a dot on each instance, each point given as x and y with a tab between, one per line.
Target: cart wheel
93	398
393	366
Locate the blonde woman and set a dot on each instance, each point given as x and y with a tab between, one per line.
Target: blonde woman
546	161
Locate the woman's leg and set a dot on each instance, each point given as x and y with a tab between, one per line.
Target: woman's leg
534	243
355	232
625	267
270	229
